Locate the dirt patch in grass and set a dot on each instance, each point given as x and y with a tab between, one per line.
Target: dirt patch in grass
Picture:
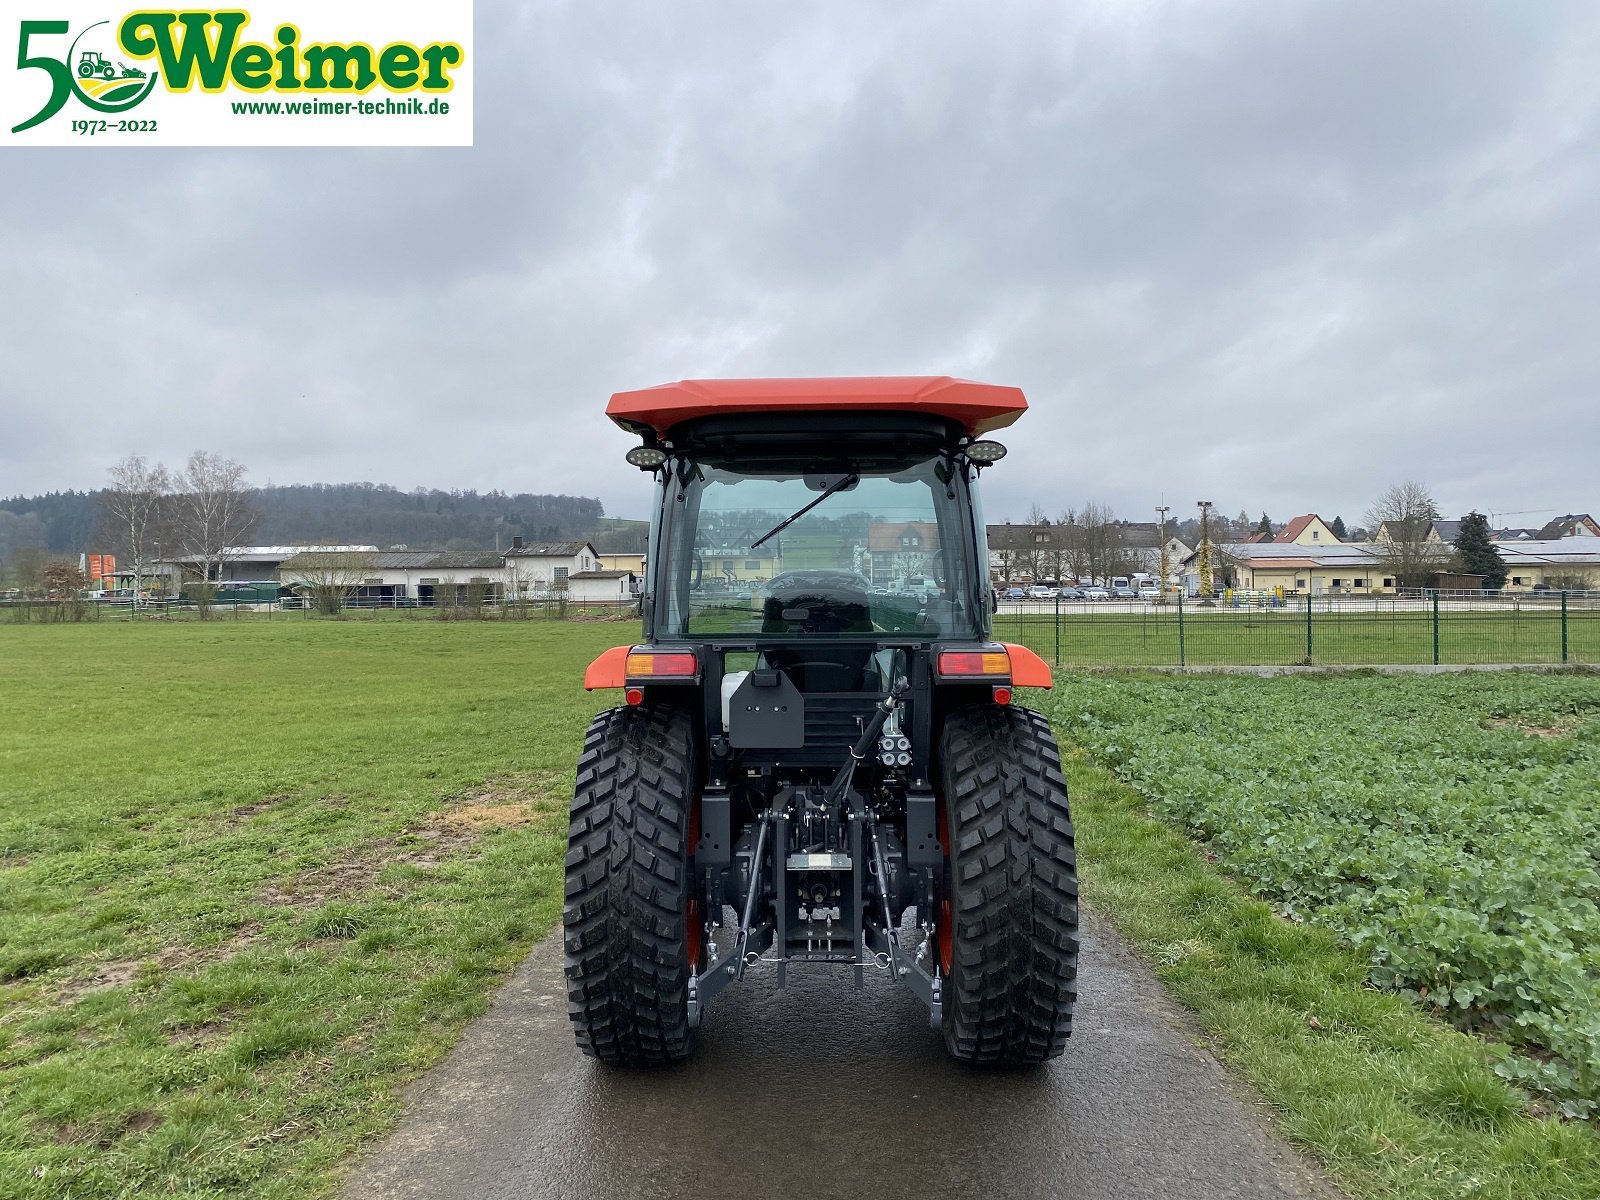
1557	729
122	972
245	811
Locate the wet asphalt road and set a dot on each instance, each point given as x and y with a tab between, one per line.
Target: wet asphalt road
820	1092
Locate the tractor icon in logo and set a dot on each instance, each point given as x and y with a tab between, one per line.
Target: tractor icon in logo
94	63
102	83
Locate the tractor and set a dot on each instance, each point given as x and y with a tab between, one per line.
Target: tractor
819	761
92	62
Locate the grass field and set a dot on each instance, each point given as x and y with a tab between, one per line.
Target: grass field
1277	637
255	875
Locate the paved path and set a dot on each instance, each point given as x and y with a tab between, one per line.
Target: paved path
819	1092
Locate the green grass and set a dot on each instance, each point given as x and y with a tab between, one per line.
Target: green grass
255	875
1245	637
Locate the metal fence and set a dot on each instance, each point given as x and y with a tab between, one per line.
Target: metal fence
238	607
1423	628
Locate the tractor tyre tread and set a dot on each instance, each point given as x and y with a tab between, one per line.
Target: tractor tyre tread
1013	888
628	882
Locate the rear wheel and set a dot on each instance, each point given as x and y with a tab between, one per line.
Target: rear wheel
631	919
1008	921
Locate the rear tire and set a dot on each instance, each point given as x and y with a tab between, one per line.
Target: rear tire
1009	936
631	904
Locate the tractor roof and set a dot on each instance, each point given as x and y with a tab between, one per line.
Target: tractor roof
977	407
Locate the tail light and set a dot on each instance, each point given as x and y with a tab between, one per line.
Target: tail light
663	666
974	664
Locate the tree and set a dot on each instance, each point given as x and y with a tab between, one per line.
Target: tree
132	509
213	516
1477	555
63	584
1097	548
1403	516
27	569
1338	529
330	576
1264	526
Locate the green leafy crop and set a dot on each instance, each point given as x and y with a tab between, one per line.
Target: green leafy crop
1449	828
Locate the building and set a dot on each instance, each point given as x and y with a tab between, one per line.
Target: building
1307	530
901	550
1357	569
601	587
246	564
399	577
633	563
535	566
527	571
1570	525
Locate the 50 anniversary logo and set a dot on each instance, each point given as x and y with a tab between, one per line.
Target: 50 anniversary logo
214	71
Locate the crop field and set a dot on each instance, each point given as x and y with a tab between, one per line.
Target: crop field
1446	828
254	875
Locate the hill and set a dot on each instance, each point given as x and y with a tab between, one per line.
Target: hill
359	513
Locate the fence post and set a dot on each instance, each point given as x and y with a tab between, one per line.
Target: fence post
1058	624
1563	625
1183	657
1436	627
1308	626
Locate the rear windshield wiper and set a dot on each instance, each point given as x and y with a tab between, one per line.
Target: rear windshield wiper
838	485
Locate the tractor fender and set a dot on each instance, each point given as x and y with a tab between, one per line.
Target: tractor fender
1027	668
609	670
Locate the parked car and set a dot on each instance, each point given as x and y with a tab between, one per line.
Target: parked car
1096	592
1070	593
1149	593
1013	594
1039	592
1124	593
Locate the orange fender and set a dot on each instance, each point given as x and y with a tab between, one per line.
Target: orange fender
609	670
1027	668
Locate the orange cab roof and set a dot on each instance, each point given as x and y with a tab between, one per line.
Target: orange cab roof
979	407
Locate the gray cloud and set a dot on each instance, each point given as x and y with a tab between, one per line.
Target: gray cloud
1274	255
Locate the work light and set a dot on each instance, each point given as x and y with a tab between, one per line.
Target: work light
646	458
986	452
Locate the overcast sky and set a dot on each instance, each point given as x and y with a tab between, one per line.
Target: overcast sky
1272	254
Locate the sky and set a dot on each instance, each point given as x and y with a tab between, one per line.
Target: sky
1276	255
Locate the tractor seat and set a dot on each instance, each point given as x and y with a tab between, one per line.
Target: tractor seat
819	603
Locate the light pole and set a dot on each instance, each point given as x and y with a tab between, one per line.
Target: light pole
1166	562
1204	560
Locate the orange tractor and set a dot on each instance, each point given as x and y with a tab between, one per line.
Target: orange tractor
819	761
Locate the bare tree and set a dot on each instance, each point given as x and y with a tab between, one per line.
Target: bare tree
1403	517
329	575
1105	554
132	509
213	515
63	585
